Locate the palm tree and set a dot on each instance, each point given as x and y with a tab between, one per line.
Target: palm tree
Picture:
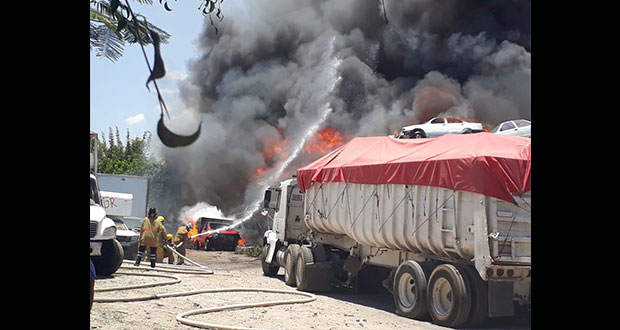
111	25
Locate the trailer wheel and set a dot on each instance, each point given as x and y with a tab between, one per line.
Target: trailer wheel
479	296
448	296
304	258
409	290
268	269
290	259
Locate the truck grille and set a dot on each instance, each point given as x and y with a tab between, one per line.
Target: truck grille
93	229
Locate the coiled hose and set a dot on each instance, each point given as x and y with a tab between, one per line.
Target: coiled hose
182	317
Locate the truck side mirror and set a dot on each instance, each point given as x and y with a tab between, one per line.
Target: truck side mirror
272	198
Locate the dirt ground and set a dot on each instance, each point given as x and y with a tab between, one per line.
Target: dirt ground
363	310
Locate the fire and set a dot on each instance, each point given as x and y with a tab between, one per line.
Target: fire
194	229
321	143
324	141
260	171
241	242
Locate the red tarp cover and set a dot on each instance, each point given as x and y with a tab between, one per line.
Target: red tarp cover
485	163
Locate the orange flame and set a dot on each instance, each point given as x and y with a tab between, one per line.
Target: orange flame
241	242
324	141
321	143
193	231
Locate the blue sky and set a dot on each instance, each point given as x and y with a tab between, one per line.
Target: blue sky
118	96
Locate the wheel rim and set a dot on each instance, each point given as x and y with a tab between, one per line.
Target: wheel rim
442	296
406	290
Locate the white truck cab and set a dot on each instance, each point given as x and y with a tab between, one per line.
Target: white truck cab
105	251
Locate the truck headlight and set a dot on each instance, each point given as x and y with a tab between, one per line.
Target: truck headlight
110	231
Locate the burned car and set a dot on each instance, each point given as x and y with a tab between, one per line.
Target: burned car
516	127
214	235
439	126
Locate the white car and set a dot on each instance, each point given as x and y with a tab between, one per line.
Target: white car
517	127
439	126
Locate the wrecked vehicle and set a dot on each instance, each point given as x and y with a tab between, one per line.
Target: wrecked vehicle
517	127
439	126
213	235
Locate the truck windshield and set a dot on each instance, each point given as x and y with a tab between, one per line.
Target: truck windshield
216	225
94	195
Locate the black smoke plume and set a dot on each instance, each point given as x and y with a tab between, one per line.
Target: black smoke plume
258	80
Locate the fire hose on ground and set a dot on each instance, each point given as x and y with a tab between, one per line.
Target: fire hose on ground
182	317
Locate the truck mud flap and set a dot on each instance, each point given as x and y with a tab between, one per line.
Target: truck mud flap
319	276
501	302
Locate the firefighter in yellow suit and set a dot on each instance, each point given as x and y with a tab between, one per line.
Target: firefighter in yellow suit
162	252
182	236
150	232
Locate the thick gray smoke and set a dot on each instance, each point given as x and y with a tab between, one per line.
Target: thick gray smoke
260	81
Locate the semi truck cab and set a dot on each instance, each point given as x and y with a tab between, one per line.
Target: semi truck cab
105	251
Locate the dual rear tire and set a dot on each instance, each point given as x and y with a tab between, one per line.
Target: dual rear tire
450	294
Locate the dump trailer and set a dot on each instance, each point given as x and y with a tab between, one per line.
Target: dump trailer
446	222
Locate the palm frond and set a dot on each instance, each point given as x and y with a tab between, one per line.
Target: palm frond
110	31
106	43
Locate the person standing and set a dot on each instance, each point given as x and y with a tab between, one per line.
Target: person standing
161	241
150	230
93	275
182	236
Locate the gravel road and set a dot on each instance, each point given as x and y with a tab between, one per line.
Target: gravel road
364	310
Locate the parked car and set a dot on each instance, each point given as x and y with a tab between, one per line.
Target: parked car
129	239
439	126
517	127
133	223
215	240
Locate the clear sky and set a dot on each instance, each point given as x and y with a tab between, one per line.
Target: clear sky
118	96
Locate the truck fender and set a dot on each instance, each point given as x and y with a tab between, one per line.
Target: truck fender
271	243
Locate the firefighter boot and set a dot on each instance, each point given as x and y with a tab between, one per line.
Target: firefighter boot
138	259
153	259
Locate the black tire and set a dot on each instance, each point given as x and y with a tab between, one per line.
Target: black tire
448	296
467	131
409	290
303	258
479	297
418	134
110	259
290	259
268	268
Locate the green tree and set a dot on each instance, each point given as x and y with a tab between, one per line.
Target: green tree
132	158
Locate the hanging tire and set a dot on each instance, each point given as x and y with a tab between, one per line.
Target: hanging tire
269	269
479	297
448	296
409	290
290	259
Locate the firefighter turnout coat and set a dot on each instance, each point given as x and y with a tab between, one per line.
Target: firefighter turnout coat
151	231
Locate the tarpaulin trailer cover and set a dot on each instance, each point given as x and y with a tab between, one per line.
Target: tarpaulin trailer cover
485	163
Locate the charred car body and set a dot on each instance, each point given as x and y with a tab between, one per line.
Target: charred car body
214	235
